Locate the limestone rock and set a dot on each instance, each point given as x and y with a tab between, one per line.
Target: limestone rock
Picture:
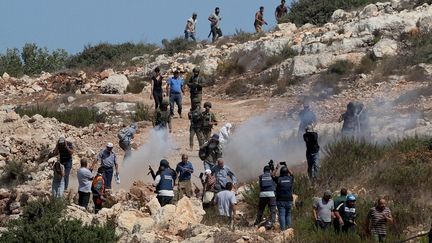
6	76
370	10
106	73
128	220
425	24
339	15
114	84
11	116
385	47
74	211
153	206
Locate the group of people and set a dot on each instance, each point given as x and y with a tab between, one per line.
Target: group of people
87	183
342	214
215	22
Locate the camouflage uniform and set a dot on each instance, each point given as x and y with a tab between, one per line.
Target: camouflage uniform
162	117
210	155
209	120
196	121
195	85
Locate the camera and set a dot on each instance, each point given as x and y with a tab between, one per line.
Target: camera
283	163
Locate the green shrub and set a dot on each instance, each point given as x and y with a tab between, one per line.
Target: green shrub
41	222
77	116
318	12
241	36
237	88
231	67
177	45
340	67
285	53
367	64
251	198
106	55
14	173
136	86
11	63
143	112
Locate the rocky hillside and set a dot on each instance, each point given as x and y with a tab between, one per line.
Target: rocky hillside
258	83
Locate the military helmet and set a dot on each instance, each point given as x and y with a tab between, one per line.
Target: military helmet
196	70
207	104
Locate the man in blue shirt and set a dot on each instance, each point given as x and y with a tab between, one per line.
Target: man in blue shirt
184	171
108	161
222	172
175	89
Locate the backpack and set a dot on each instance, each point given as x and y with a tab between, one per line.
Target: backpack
122	133
195	116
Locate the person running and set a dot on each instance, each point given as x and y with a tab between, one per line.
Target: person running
175	89
209	120
226	203
215	29
195	128
284	196
281	11
377	218
323	211
195	84
184	171
108	160
85	178
190	27
339	200
156	87
125	136
58	182
346	214
98	189
162	118
267	197
164	183
259	20
210	152
65	149
312	152
222	173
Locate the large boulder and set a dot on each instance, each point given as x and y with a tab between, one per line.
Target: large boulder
115	84
134	220
425	24
370	10
385	47
76	212
339	15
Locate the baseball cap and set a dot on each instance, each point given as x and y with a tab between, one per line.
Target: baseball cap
62	139
110	145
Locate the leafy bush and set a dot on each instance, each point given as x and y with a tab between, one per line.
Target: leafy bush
77	116
251	198
237	88
340	67
241	36
135	86
176	45
367	64
318	12
14	173
32	60
42	222
143	112
285	53
106	55
231	67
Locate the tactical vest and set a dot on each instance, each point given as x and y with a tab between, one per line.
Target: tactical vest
195	86
207	119
266	183
196	116
284	188
349	213
166	181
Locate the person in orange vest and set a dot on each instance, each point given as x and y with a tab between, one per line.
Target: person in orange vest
98	189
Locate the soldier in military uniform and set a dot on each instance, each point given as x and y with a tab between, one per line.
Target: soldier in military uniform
195	85
196	122
209	120
210	152
355	121
162	117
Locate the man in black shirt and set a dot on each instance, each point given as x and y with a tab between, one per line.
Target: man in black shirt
312	152
281	11
157	91
65	150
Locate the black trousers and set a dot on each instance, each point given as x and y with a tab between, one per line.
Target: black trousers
83	198
157	96
263	203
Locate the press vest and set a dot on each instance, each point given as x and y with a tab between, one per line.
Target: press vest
284	188
266	183
166	181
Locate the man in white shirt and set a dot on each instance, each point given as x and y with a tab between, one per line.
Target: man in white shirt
226	201
190	27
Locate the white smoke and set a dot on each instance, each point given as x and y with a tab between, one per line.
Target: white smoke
157	147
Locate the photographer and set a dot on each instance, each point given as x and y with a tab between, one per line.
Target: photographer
284	194
267	195
65	150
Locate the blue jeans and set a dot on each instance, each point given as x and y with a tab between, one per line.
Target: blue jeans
127	148
189	34
68	168
58	188
313	165
108	175
284	209
176	98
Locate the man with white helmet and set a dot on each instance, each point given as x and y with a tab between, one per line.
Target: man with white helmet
108	161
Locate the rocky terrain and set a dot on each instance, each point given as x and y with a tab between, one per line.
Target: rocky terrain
398	106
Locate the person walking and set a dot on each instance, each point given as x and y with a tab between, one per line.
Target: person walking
281	11
175	89
162	118
267	197
58	182
215	29
210	152
225	133
377	219
98	189
156	87
339	200
85	179
196	123
164	183
65	151
191	27
125	136
209	120
184	171
195	84
346	214
222	173
108	161
259	20
323	211
226	203
284	196
312	152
